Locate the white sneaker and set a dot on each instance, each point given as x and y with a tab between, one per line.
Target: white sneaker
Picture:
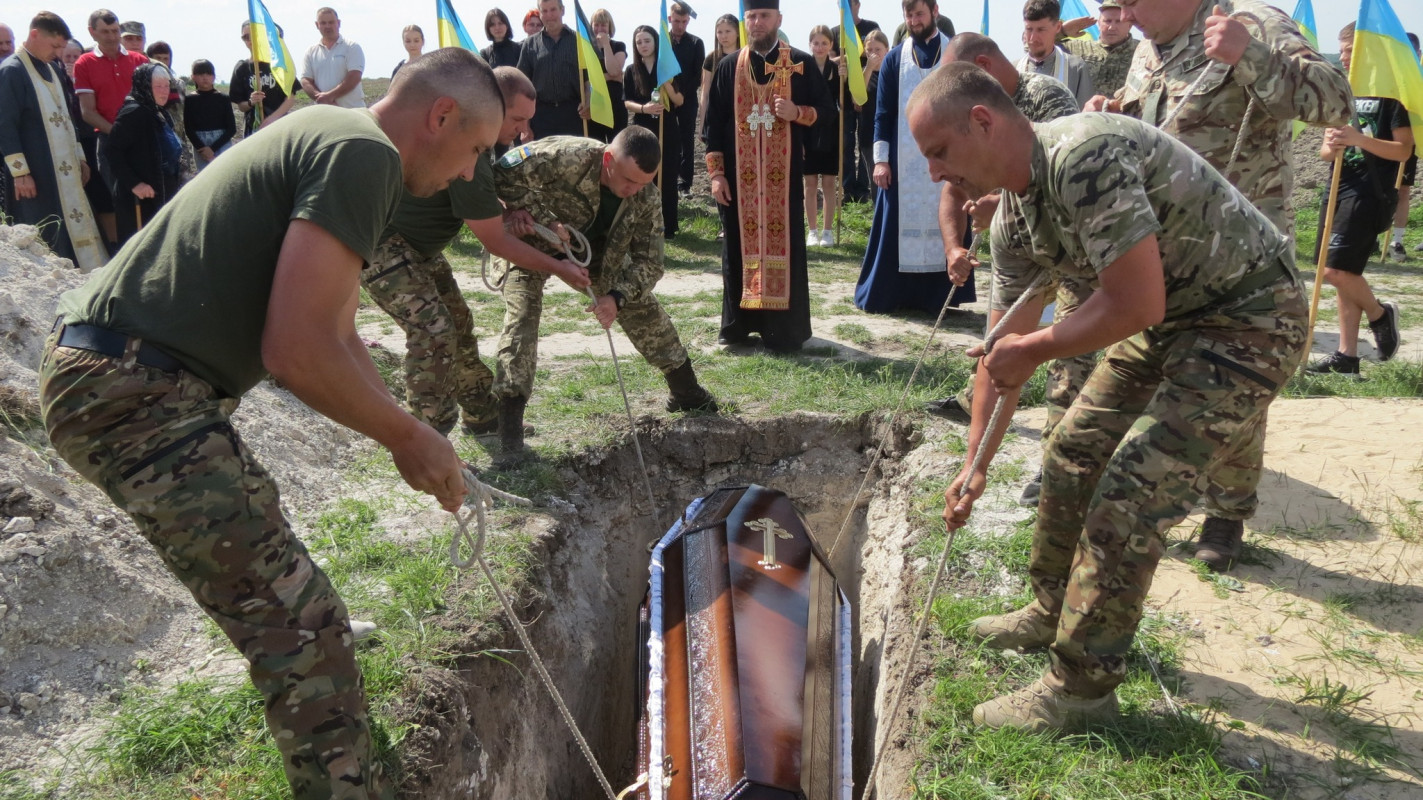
827	237
812	239
360	629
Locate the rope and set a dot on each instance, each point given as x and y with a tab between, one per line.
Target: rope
481	496
484	275
1196	85
579	252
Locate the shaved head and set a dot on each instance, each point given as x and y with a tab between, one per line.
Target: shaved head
513	83
952	90
449	72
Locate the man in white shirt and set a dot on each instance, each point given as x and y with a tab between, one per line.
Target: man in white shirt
1042	22
331	71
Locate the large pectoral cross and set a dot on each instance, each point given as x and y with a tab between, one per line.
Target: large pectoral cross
770	532
781	70
760	116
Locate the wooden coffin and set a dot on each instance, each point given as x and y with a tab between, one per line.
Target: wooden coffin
746	684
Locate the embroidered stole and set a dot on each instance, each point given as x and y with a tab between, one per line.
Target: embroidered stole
66	156
763	183
921	247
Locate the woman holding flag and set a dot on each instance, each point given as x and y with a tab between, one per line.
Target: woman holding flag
646	101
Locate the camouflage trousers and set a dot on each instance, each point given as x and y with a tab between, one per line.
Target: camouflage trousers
161	446
444	376
1130	459
647	326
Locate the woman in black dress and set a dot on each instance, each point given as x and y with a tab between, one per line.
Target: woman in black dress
645	101
728	41
144	151
612	57
822	149
502	51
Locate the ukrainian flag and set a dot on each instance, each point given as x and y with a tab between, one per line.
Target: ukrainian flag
600	102
1384	64
741	20
268	45
667	65
451	31
983	27
1304	18
1072	9
852	47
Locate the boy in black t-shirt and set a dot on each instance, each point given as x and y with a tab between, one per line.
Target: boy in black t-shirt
207	116
1372	148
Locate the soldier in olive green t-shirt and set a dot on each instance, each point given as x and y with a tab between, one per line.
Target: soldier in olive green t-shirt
254	269
1196	294
410	279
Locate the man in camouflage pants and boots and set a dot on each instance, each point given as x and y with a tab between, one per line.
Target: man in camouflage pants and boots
149	359
411	281
1196	294
1260	75
606	191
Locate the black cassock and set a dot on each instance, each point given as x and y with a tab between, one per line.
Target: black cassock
780	330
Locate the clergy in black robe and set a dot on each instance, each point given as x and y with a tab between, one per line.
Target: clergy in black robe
42	153
763	101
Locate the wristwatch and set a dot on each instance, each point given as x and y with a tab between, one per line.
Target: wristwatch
618	299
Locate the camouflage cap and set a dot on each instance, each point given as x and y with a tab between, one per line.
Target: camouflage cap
131	28
1105	4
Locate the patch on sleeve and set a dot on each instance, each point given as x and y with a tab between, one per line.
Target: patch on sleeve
516	156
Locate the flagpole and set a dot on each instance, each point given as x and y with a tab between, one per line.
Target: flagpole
1397	186
660	145
1325	234
840	161
256	72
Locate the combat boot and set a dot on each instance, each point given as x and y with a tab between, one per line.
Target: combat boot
1220	543
511	431
1039	708
687	394
1027	628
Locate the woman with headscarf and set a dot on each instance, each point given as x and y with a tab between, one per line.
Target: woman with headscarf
144	150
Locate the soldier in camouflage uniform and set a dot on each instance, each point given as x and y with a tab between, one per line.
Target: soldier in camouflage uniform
410	279
1196	289
149	359
1253	59
606	192
1041	98
1109	57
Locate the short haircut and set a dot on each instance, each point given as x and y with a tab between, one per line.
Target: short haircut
327	10
103	15
639	144
157	48
679	9
604	16
1347	32
908	5
1034	10
204	67
497	15
449	72
968	46
820	30
50	23
560	3
513	83
955	88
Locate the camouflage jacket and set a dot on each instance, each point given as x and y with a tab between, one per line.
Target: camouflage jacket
1286	77
1108	64
1043	97
556	180
1103	182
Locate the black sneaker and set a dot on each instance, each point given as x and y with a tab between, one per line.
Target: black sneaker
1031	492
950	409
1385	330
1337	363
1396	250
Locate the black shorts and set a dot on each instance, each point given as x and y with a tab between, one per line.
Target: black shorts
1356	230
821	162
1410	169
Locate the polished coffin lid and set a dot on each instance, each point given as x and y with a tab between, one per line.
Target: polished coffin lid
747	680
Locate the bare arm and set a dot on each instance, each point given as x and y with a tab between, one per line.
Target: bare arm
309	86
501	243
959	260
351	81
89	109
309	343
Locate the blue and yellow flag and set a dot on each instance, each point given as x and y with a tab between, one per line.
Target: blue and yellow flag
451	31
600	102
268	45
1073	9
983	27
1384	64
1304	18
667	65
852	48
741	20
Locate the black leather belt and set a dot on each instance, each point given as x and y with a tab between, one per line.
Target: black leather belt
114	344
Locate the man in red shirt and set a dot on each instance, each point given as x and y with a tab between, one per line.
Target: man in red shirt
102	79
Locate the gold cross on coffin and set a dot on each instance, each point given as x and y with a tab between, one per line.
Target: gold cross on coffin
770	532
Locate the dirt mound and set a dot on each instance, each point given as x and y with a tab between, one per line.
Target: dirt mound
85	604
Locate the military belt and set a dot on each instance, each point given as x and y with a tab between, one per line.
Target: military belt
1254	281
114	344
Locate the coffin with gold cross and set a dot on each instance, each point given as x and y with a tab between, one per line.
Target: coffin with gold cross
746	681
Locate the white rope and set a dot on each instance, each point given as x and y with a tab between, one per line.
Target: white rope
978	460
481	496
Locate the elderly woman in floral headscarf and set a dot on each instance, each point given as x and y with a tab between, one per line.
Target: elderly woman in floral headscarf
144	150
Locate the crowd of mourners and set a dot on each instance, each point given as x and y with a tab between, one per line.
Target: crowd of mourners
1138	187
